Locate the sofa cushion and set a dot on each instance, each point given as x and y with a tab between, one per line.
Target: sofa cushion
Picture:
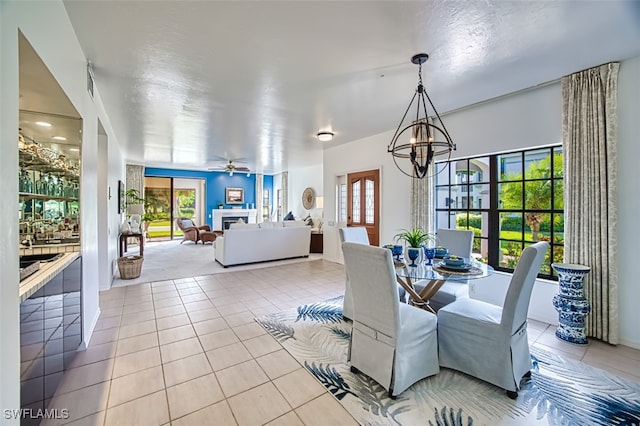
293	223
239	225
266	225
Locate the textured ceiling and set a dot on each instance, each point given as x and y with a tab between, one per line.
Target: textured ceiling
188	84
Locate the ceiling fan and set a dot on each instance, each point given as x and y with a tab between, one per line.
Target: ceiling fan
231	168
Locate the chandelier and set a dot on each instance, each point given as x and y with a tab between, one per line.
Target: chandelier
420	140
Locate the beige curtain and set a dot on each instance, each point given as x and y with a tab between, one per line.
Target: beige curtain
422	203
589	128
259	186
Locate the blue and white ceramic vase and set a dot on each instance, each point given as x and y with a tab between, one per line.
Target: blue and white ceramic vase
570	302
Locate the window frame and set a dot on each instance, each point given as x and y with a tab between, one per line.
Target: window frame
451	203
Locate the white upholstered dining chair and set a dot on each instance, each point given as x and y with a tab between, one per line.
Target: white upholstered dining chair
393	343
488	341
460	243
354	234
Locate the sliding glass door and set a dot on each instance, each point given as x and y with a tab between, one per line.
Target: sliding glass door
169	198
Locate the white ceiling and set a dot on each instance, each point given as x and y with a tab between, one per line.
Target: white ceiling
187	84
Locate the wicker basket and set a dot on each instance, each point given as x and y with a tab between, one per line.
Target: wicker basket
130	267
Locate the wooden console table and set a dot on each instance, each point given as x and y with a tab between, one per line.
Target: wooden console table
123	242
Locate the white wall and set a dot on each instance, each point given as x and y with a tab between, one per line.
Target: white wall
526	119
46	26
299	180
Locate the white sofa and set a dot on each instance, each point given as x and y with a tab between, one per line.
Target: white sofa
250	243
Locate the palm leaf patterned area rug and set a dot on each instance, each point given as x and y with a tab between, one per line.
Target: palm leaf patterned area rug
559	391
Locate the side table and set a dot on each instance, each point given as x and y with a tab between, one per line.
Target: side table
317	243
123	242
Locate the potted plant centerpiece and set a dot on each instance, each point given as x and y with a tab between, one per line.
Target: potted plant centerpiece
414	238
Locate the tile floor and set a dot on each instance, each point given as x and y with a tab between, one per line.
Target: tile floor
188	352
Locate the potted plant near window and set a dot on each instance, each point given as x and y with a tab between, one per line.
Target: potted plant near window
414	238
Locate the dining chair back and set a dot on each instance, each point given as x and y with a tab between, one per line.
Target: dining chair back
393	343
488	341
353	234
460	243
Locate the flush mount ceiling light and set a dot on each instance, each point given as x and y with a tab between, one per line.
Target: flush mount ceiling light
420	140
43	124
324	136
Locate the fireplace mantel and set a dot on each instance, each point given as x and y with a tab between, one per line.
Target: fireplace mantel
218	214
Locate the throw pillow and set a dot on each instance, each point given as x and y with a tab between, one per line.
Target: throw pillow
289	216
187	223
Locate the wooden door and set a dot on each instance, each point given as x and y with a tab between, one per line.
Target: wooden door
363	203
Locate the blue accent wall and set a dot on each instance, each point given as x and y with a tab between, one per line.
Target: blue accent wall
215	185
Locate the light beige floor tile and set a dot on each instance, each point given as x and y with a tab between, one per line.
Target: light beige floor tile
262	345
163	303
240	318
172	321
278	363
135	385
150	410
241	377
103	336
169	311
232	308
137	343
218	339
324	410
85	375
210	326
249	331
131	309
137	299
227	356
111	312
193	395
259	405
166	295
186	369
203	315
83	402
199	305
205	417
137	361
181	349
94	353
137	317
176	334
289	419
104	323
299	387
137	329
198	296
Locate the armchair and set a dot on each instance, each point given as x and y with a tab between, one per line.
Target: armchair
488	341
191	231
393	343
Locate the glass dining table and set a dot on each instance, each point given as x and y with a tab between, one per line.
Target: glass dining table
433	276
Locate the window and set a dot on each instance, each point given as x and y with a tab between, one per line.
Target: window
266	205
509	200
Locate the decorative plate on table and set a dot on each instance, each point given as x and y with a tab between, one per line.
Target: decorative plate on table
462	268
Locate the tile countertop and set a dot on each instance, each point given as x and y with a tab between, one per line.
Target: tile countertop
47	271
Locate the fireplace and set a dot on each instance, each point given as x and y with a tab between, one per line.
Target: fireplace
228	220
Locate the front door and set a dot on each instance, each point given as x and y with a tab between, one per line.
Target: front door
363	203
